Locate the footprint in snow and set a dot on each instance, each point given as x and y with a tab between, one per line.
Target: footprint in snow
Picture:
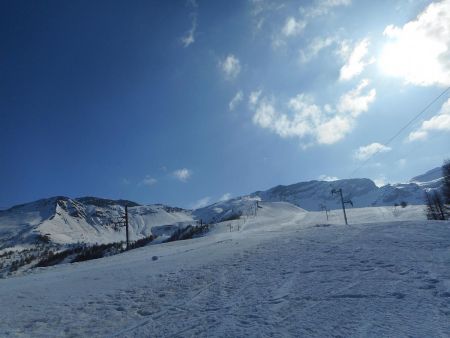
432	280
398	295
143	313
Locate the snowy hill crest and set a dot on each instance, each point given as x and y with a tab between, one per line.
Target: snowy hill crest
312	195
87	219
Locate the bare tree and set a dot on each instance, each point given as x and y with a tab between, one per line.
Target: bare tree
446	187
430	211
435	206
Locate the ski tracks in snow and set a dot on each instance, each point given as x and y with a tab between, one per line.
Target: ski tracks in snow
365	280
346	283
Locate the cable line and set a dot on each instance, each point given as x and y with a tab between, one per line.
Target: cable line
402	129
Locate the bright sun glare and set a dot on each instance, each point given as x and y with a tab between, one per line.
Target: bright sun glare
413	59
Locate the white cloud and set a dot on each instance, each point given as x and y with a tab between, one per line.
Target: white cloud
261	12
189	37
418	135
307	121
419	52
225	197
355	102
293	27
236	100
182	174
327	178
265	11
254	97
365	152
265	115
315	47
439	122
334	130
149	181
380	181
356	60
323	7
230	66
203	202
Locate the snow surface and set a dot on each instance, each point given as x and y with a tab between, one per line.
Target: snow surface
286	272
67	221
431	179
316	195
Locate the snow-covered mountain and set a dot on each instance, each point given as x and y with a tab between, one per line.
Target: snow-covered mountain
361	191
315	195
63	220
288	260
431	179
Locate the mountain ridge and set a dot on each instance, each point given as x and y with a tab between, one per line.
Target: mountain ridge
88	219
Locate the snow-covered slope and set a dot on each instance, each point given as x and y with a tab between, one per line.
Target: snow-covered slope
362	192
316	195
310	195
313	195
63	220
281	213
431	179
227	210
285	273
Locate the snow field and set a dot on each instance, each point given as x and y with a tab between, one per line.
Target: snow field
281	275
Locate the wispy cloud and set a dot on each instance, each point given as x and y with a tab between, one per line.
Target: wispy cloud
183	174
323	7
419	52
315	47
253	98
264	11
327	178
365	152
189	38
236	100
203	202
439	122
293	27
148	181
261	11
225	197
356	59
302	118
230	66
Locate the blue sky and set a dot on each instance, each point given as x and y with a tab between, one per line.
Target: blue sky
189	102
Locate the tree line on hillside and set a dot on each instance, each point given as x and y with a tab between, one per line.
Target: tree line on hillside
438	202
